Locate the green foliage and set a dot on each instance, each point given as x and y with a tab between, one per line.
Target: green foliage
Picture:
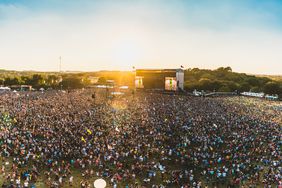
255	89
36	81
72	82
102	80
52	81
272	88
223	79
12	81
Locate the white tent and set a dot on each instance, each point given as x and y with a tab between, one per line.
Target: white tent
4	88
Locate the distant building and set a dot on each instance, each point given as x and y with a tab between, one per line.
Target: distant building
160	79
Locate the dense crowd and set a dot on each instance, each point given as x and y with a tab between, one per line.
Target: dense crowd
139	140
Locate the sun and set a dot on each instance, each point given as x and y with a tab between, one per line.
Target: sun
126	52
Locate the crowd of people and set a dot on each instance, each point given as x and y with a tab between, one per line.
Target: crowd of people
65	139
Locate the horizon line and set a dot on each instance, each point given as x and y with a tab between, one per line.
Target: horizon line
101	70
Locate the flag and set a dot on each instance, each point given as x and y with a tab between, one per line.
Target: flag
89	131
82	139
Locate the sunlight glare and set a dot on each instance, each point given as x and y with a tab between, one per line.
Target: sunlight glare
126	52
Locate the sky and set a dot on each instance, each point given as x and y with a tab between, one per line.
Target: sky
91	35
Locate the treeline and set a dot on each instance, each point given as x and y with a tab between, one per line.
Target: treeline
222	79
63	80
37	81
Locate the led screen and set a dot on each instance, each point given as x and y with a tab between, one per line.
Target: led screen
170	83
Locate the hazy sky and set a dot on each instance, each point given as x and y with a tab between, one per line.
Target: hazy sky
118	34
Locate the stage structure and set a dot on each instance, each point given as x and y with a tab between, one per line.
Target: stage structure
160	79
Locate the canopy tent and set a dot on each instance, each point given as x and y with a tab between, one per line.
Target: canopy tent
4	88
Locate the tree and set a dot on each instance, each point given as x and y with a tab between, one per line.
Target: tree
12	81
35	81
232	85
25	80
102	80
191	86
221	72
253	81
255	89
272	88
244	86
52	81
224	89
86	81
72	82
224	69
221	77
228	69
2	81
